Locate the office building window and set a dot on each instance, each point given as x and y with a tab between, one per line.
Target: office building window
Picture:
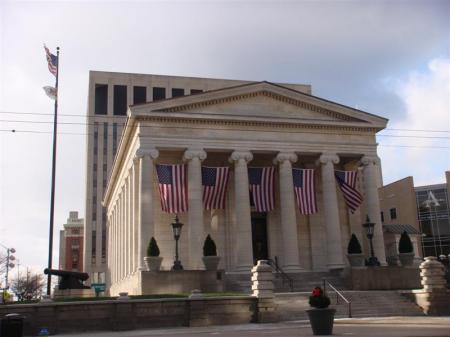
104	244
177	92
159	93
105	141
382	216
393	212
101	99
114	139
94	242
196	91
120	100
139	95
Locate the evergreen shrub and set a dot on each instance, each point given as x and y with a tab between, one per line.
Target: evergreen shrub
209	247
152	249
405	244
353	246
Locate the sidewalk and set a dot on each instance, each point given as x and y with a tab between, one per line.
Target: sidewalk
363	327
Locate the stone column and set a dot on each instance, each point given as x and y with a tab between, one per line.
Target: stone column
194	158
145	212
243	233
335	258
372	202
291	260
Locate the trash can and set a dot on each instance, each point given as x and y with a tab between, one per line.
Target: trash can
12	325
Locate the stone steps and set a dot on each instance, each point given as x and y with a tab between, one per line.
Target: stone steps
292	306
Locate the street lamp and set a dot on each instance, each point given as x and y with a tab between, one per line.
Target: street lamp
176	227
8	265
369	226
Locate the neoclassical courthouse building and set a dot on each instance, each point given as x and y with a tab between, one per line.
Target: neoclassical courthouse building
220	123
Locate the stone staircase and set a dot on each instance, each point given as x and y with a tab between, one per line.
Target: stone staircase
306	281
374	303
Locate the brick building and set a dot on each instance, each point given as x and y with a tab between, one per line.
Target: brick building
71	244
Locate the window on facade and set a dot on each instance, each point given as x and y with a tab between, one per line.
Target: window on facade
75	232
114	139
382	216
393	212
159	93
101	99
177	92
139	95
120	100
94	242
103	244
196	91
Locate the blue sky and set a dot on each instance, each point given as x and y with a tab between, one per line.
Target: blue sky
389	58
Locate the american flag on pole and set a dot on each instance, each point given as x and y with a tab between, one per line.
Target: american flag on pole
52	61
261	182
305	192
347	183
215	182
172	188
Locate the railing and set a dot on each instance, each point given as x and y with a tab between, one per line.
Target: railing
284	277
338	295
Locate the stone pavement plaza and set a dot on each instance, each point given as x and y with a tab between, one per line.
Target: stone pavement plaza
366	327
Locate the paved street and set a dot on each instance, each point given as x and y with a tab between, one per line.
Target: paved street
375	327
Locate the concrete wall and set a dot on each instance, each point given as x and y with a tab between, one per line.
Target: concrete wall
117	315
385	278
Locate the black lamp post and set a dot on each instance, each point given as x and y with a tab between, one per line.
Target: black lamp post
369	226
176	227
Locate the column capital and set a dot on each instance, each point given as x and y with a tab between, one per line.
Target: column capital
369	159
152	153
326	158
283	156
190	154
237	155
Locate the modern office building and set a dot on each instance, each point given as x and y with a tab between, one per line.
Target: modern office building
71	244
424	209
244	127
109	96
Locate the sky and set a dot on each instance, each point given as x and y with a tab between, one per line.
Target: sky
390	58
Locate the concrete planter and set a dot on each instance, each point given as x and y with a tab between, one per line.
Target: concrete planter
356	260
153	263
392	260
321	320
211	262
406	259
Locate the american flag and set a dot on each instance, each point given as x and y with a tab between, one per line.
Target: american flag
215	182
172	188
347	183
305	192
261	181
52	61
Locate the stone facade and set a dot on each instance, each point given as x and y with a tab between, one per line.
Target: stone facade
256	124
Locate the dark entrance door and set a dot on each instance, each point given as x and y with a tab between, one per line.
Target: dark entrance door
259	237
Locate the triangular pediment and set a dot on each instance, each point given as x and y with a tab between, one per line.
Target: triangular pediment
262	101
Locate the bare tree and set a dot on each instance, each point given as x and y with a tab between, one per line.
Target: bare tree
28	287
2	268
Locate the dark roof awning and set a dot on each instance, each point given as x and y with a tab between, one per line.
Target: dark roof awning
399	229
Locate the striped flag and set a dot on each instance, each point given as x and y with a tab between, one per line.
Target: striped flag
172	188
215	182
52	61
305	192
261	182
347	183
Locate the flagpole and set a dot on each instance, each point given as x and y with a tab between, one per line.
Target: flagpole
52	197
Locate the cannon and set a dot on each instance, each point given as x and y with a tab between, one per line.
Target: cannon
68	279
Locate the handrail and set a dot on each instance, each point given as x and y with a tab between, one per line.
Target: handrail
284	276
338	294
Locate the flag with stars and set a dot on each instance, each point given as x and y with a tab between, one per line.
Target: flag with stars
52	61
172	188
215	183
347	183
304	189
261	181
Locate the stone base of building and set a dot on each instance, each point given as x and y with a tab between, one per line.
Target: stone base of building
432	303
385	278
71	293
170	282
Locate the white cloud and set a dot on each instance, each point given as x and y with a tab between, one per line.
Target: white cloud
426	97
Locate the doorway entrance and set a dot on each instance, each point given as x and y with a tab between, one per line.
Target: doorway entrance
259	237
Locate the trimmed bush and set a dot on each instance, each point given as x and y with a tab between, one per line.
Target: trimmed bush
353	246
152	249
405	244
209	247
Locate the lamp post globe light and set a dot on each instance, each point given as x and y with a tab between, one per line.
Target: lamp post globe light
176	227
8	265
369	226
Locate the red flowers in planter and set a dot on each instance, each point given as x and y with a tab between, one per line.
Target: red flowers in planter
318	299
